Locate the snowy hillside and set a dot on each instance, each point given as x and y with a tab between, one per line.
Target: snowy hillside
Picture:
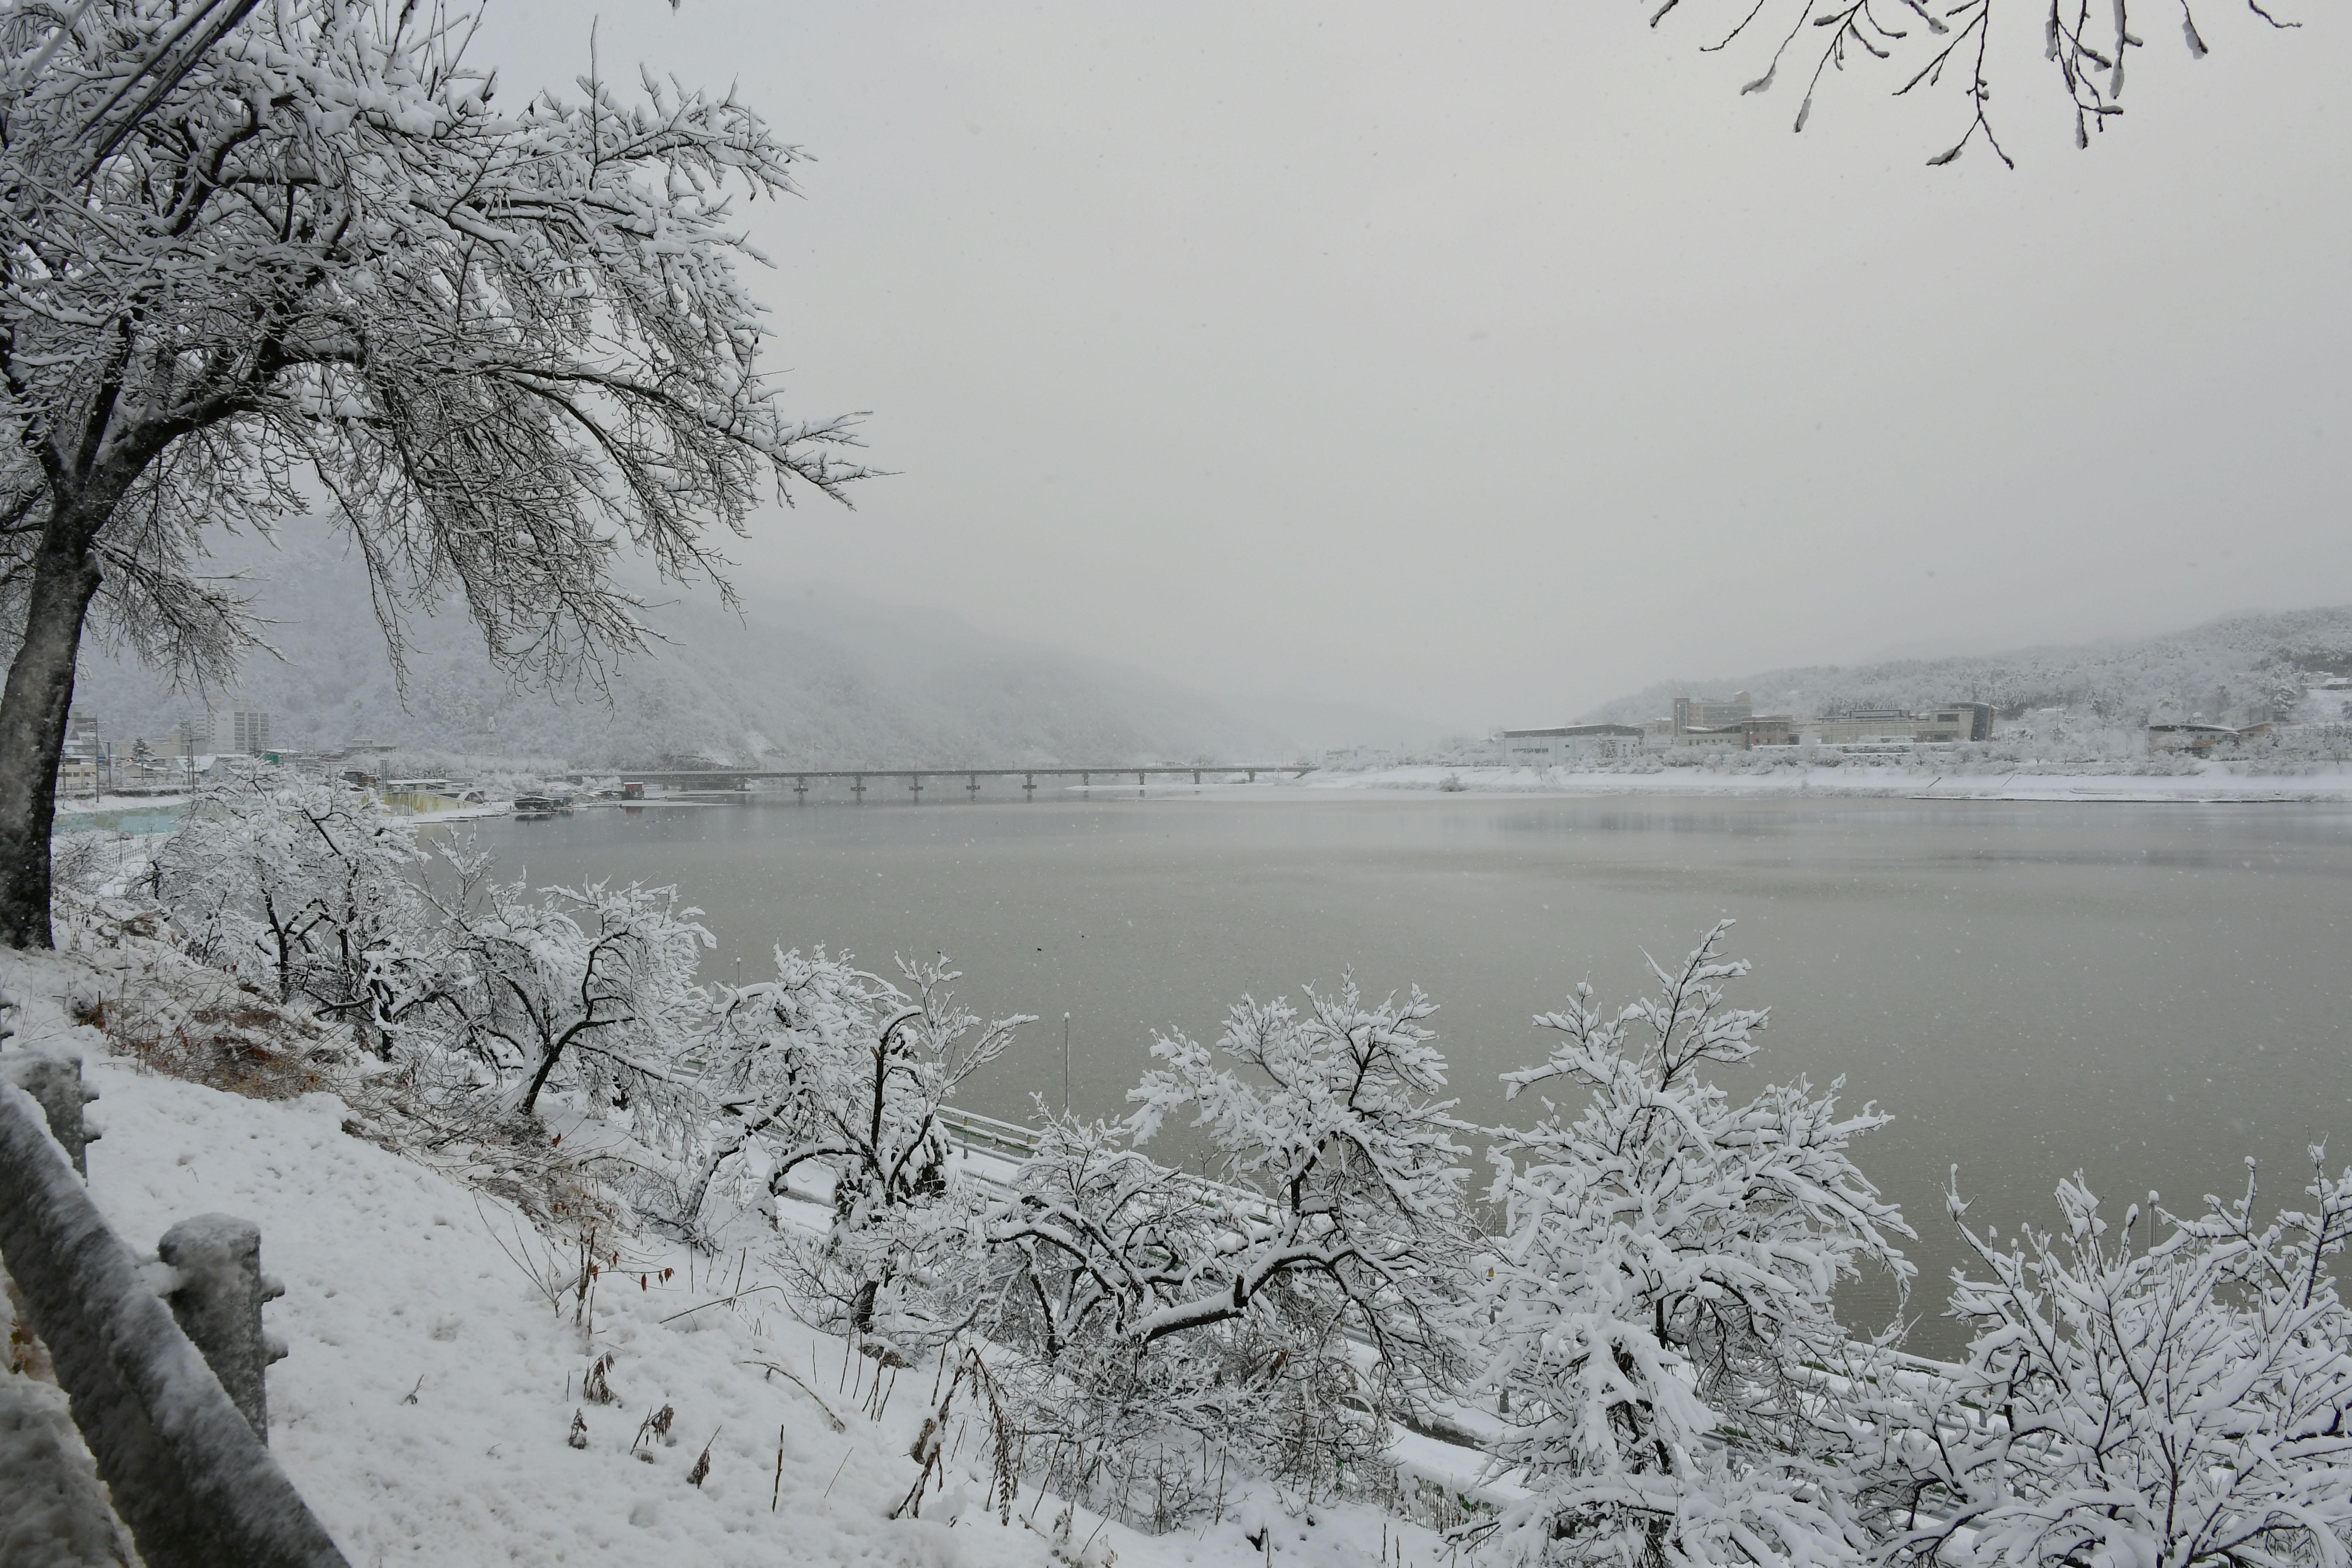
2232	670
808	676
426	1411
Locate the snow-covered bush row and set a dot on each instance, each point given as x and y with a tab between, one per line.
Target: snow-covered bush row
1636	1314
2293	748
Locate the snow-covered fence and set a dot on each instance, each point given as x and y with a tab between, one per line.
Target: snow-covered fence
188	1473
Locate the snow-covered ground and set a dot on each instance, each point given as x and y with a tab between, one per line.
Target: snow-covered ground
2214	783
433	1378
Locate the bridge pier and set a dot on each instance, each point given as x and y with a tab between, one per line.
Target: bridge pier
800	789
972	790
915	787
1029	786
858	788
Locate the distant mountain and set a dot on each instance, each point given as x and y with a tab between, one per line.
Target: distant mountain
2228	671
813	675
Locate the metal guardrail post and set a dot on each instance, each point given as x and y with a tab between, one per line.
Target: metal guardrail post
217	1303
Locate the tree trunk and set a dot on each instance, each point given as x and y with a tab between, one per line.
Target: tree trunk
33	712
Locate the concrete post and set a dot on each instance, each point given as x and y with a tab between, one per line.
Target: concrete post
54	1078
217	1303
179	1460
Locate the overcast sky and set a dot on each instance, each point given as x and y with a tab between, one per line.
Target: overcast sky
1485	362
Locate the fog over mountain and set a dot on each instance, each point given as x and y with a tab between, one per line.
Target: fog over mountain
809	674
2232	669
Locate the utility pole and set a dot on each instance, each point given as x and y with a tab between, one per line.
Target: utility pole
1066	1064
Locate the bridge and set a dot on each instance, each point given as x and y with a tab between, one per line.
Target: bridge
740	779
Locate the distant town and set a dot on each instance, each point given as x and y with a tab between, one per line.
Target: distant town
1732	723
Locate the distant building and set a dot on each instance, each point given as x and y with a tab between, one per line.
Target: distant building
1890	726
2199	740
1712	712
239	731
1569	744
1745	735
84	759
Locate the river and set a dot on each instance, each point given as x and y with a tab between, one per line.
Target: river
2145	992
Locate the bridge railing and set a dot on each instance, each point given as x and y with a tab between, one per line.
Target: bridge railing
162	1361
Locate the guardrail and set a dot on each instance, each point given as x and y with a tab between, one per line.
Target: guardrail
162	1361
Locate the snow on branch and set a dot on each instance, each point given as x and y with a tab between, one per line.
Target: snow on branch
2167	1390
510	340
1660	1290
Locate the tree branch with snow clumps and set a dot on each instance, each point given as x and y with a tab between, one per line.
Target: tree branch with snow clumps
2171	1392
511	342
1659	1297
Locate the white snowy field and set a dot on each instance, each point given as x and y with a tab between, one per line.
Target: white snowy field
2212	785
432	1383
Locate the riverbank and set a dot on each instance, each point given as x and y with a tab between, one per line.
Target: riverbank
434	1401
2212	786
160	814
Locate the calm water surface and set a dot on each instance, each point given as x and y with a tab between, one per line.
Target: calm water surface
2147	994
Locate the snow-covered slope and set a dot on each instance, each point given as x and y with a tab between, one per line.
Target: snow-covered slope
425	1409
2226	670
819	677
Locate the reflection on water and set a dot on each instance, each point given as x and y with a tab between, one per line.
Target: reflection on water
2144	993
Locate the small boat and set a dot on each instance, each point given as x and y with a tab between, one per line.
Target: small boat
542	805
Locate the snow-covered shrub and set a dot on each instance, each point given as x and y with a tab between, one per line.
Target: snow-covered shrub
1067	1253
1660	1298
197	1024
591	987
1092	1228
775	1048
307	891
2168	1392
1332	1130
1286	1311
832	1066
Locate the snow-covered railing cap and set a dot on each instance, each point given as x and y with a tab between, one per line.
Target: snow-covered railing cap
217	1294
53	1077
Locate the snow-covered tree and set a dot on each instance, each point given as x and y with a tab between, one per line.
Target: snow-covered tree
1087	1226
2166	1393
1155	1302
308	890
596	981
256	254
774	1050
1659	1306
830	1065
1328	1121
